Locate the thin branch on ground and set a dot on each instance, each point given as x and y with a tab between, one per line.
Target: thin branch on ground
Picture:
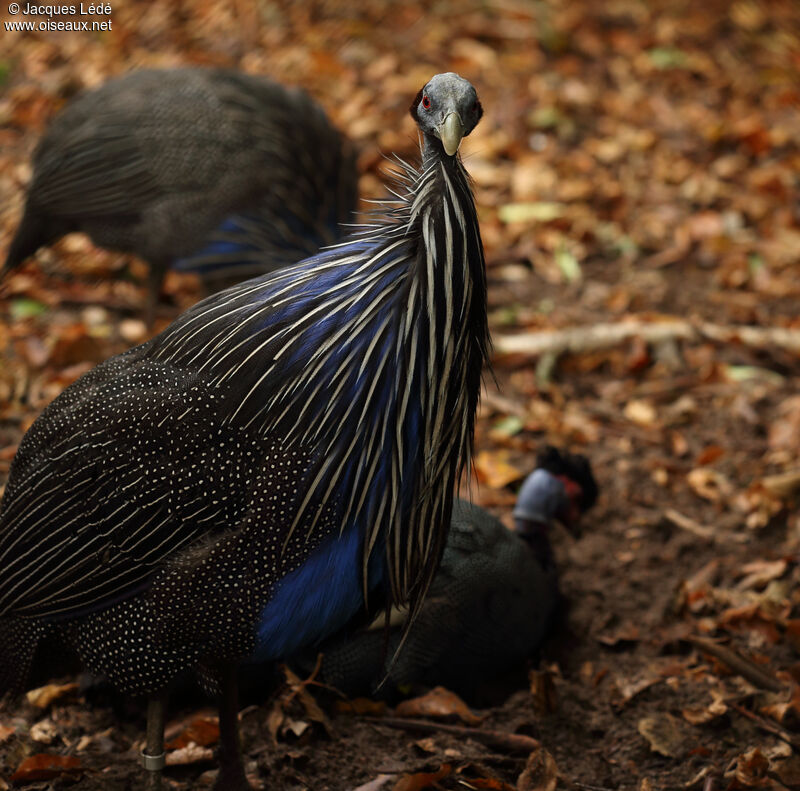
577	340
690	525
768	726
738	664
516	742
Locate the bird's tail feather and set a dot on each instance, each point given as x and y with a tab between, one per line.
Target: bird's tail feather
30	236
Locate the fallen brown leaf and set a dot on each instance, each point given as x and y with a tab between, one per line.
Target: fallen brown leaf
45	767
201	731
643	413
42	697
489	782
751	617
700	715
44	731
709	484
629	688
690	525
709	455
310	705
438	703
540	773
297	727
664	734
760	572
295	708
782	709
190	754
421	780
793	632
494	469
427	745
750	770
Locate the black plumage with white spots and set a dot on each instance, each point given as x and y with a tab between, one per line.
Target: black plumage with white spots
282	455
210	170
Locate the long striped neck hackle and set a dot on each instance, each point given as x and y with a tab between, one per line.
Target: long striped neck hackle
448	293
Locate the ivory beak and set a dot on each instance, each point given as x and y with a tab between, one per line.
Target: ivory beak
451	132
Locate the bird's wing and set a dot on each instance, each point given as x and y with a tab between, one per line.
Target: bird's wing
159	447
92	173
125	468
134	141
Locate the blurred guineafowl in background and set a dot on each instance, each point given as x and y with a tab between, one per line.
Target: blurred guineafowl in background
211	170
492	602
280	459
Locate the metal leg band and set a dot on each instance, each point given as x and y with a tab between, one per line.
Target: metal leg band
154	763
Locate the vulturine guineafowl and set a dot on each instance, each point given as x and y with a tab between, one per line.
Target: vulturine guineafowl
279	459
211	170
491	603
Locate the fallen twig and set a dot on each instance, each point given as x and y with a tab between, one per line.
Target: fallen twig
744	667
755	337
510	741
768	726
592	337
606	335
689	525
706	532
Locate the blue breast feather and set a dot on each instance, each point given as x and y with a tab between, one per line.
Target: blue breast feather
317	598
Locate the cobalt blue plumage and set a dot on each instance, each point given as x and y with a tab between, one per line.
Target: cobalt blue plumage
280	457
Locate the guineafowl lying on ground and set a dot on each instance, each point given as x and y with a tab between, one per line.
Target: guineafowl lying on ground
491	603
215	171
281	458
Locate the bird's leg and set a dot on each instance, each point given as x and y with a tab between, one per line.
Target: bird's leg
231	769
153	757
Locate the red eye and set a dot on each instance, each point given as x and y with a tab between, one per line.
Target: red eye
426	102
